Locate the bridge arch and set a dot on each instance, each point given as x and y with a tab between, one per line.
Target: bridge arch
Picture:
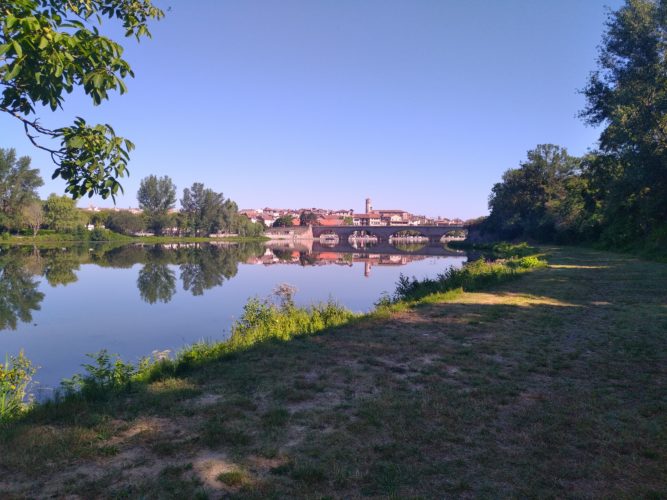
329	238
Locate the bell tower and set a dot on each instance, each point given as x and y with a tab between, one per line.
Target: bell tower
369	207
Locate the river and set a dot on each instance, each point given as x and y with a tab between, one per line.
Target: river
57	304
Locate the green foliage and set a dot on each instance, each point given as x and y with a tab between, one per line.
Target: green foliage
106	374
262	321
18	188
501	250
628	96
206	212
308	219
47	49
617	196
156	196
33	216
284	221
473	276
15	377
532	201
202	209
125	222
61	214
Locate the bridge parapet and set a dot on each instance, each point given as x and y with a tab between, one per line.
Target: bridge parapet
383	233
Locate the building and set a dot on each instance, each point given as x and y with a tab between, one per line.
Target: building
369	219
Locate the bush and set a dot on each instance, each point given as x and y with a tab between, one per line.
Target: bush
15	377
473	276
108	373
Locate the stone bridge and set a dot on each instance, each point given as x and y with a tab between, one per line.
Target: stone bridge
385	248
383	233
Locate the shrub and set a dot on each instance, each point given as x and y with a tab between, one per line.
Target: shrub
15	377
107	373
473	276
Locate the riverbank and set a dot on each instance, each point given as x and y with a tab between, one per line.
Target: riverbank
549	385
67	239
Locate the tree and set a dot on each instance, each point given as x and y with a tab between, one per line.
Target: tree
156	197
523	204
308	219
628	96
49	48
284	221
125	222
61	213
33	216
18	187
202	209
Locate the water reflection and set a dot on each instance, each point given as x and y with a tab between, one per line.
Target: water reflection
64	302
19	296
156	282
199	267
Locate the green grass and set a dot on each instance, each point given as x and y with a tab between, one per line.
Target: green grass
551	385
51	238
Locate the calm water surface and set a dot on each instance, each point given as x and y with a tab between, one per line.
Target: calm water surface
59	304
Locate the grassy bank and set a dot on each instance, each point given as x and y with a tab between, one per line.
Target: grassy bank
548	385
109	237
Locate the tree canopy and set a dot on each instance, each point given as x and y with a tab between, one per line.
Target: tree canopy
286	220
617	194
61	214
18	187
524	203
156	197
628	96
47	49
202	208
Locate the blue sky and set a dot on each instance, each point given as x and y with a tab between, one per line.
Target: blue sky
418	104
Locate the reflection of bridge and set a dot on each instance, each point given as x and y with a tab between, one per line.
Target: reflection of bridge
383	233
383	248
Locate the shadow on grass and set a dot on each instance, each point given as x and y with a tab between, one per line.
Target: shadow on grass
551	385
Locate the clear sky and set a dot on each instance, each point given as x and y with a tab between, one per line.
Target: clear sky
418	104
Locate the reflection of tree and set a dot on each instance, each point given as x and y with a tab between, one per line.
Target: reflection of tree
282	254
59	266
207	267
18	293
156	282
409	247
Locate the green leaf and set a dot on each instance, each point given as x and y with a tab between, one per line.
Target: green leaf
17	48
13	72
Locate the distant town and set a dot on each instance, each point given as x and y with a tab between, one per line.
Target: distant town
327	217
324	217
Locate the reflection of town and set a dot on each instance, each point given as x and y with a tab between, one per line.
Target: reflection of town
305	255
198	266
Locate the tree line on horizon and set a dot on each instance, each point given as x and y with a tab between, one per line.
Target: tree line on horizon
203	211
616	195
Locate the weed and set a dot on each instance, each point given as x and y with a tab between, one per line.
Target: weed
15	377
